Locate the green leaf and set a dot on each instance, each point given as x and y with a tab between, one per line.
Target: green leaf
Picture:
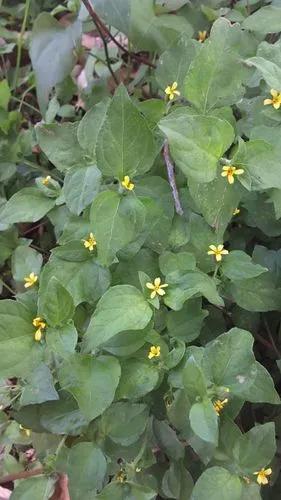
204	421
186	324
271	73
239	266
124	423
256	294
27	205
256	448
56	305
89	128
116	222
127	491
25	260
217	483
85	465
138	378
215	77
62	340
81	185
171	262
118	152
187	132
264	20
92	381
19	353
63	416
51	53
39	387
34	487
174	63
194	381
252	156
167	440
5	94
229	361
60	144
184	287
121	308
177	482
85	281
216	201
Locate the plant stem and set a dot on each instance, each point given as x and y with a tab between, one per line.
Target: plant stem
19	44
102	26
25	104
8	287
21	475
108	62
171	177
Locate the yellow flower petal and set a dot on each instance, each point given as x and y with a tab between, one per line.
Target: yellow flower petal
153	294
220	247
150	286
239	171
276	105
267	101
157	281
274	93
213	247
230	179
174	86
224	252
218	257
161	292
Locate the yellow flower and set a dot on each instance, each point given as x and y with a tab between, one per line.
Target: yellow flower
90	243
154	352
30	280
202	35
275	101
236	211
157	288
218	405
217	251
127	184
230	171
40	325
261	475
46	180
171	91
121	476
25	431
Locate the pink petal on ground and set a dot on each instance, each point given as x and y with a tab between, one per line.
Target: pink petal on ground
4	493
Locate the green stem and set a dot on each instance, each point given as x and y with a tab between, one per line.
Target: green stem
25	104
8	287
216	271
20	40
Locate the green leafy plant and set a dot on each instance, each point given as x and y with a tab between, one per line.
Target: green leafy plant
139	248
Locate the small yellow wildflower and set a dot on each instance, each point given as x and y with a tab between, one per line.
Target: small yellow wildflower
40	325
46	180
171	91
157	288
25	431
217	251
262	475
154	352
230	171
236	211
218	405
275	101
127	184
30	280
90	243
202	35
121	476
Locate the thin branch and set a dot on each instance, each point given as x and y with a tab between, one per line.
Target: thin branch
108	62
171	177
19	43
21	475
102	26
7	287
